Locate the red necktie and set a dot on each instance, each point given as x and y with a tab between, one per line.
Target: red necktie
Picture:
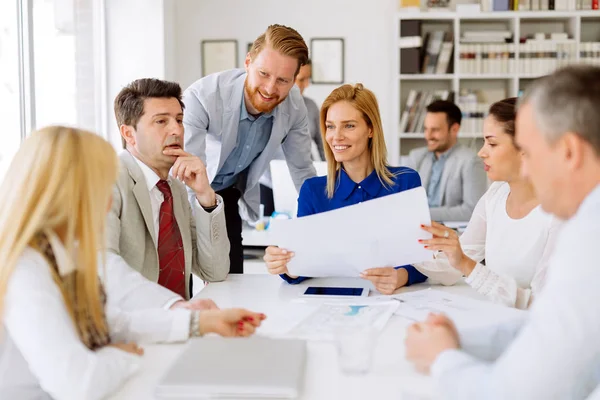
171	258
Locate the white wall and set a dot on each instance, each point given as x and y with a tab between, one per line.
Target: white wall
135	47
366	26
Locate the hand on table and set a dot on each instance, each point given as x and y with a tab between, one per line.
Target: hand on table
277	260
387	279
230	322
131	348
426	340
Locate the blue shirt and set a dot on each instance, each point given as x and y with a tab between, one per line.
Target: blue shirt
313	200
434	194
253	135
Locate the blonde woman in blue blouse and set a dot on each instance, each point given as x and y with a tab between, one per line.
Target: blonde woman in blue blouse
357	171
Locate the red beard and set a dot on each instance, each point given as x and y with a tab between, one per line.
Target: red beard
257	103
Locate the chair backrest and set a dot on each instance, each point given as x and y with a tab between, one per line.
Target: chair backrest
285	195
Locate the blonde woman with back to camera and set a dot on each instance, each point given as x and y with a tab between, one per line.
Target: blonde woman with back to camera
61	339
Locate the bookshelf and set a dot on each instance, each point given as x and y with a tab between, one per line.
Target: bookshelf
483	71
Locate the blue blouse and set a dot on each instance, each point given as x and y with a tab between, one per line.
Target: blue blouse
313	200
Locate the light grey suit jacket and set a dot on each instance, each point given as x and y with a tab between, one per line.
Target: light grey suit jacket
211	120
463	181
131	233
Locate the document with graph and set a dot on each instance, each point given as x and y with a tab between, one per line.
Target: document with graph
328	317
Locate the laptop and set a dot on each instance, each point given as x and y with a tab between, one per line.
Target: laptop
236	368
285	195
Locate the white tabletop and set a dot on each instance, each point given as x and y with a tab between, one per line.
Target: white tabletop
391	376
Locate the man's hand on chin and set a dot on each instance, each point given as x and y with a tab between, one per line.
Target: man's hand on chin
199	304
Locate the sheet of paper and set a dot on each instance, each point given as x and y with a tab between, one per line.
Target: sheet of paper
321	324
344	242
465	312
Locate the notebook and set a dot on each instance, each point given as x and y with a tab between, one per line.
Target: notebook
240	368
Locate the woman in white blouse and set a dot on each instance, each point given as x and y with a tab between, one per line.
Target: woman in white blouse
60	338
508	228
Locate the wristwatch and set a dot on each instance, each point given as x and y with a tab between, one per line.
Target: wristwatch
212	208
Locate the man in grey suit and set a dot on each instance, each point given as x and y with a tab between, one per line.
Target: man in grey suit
452	174
151	224
236	120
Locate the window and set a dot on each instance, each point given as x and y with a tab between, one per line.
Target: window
9	84
64	64
52	68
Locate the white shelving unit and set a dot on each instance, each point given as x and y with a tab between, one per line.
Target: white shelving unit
582	26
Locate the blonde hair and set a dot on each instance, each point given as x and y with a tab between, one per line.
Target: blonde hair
363	100
284	40
61	181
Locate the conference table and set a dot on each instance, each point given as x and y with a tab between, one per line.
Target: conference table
391	376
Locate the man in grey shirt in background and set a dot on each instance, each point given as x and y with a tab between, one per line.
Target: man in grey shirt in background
452	174
314	125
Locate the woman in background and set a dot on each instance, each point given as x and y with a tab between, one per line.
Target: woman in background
357	171
508	227
60	339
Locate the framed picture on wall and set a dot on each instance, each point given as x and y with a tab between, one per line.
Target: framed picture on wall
327	56
218	55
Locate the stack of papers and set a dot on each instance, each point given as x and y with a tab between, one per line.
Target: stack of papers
383	232
465	312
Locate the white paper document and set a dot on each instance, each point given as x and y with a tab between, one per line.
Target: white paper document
321	324
344	242
466	313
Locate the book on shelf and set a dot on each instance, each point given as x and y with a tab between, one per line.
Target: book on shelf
433	46
501	5
538	5
410	3
445	59
413	115
411	44
487	34
474	105
541	57
487	58
590	53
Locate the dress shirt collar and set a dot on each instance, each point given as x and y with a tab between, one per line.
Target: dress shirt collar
245	115
590	202
444	155
149	175
371	184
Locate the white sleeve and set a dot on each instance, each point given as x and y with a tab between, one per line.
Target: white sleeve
129	290
148	326
504	289
555	355
37	321
472	242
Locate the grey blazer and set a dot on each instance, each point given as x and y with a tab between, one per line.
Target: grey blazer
463	181
211	120
131	233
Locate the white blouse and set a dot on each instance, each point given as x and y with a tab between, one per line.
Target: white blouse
516	251
41	356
